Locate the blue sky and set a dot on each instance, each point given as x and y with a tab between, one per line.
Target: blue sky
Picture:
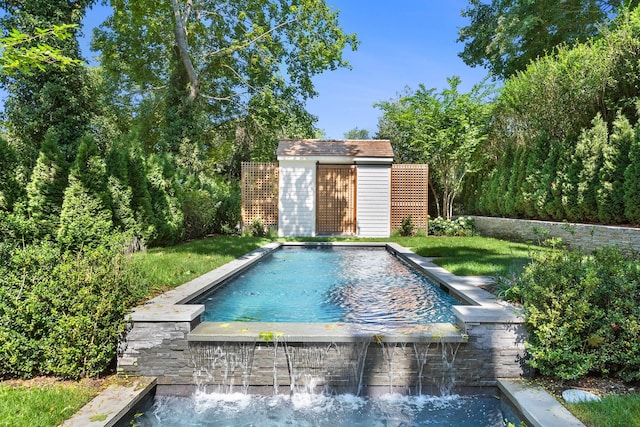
402	43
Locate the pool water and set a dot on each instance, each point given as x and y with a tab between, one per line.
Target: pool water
239	409
351	285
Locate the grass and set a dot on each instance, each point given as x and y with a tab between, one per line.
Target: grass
168	267
611	411
44	406
473	256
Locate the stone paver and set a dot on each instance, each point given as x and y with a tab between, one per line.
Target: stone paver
539	407
106	409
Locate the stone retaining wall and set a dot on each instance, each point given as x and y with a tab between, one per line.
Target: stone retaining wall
161	349
583	236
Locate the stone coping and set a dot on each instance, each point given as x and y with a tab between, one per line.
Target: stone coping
538	407
323	332
483	306
106	409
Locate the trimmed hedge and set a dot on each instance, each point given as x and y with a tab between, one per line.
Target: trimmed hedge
63	313
583	313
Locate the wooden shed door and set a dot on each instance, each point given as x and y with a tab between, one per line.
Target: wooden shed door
336	199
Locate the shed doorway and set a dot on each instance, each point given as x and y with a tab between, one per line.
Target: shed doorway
336	199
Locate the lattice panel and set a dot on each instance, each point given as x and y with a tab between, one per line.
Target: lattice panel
260	193
336	199
409	195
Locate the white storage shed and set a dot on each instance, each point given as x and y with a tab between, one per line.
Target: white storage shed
334	187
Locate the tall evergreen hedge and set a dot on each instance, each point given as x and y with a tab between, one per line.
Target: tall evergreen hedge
564	135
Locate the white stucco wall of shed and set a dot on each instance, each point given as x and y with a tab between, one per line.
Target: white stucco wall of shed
297	198
373	201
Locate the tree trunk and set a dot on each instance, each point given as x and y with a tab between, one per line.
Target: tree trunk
435	197
180	31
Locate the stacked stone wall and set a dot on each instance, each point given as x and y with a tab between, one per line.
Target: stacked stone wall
161	349
583	236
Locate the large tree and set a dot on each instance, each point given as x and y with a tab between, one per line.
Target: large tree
217	65
506	35
443	129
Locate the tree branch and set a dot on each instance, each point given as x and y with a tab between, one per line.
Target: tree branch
254	40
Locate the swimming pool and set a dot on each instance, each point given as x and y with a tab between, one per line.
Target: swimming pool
169	340
359	285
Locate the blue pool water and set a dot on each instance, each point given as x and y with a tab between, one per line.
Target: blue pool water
351	285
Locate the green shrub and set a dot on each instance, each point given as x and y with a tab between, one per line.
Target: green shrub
459	227
212	207
165	195
257	228
406	227
631	184
45	191
583	313
63	313
9	187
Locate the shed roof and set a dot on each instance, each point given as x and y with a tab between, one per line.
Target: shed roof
336	147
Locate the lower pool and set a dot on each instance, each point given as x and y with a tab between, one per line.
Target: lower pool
303	409
336	284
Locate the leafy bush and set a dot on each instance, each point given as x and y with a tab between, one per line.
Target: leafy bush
583	313
212	207
63	313
459	227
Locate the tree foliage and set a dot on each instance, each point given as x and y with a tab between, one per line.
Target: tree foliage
219	69
50	96
443	129
18	53
357	133
506	35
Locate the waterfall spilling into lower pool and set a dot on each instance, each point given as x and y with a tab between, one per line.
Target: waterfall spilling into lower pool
314	372
313	367
225	365
360	367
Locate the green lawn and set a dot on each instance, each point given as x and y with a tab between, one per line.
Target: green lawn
469	256
41	406
612	411
168	267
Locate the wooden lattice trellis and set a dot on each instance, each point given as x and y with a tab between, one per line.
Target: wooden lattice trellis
409	195
260	193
